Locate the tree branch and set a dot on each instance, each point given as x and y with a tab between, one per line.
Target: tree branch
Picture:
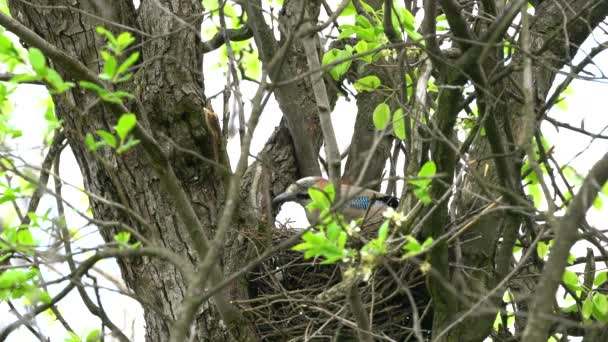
458	24
220	38
566	234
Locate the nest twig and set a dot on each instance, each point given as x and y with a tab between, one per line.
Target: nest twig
284	302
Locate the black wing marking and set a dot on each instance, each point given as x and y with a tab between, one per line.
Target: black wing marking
390	201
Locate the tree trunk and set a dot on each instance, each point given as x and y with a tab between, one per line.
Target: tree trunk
169	83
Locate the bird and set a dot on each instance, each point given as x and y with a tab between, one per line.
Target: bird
360	203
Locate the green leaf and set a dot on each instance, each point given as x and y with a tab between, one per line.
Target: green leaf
571	259
127	146
406	18
428	170
37	61
72	337
340	69
399	124
333	231
363	46
125	124
128	63
363	22
605	189
497	322
24	78
600	278
59	85
600	303
122	237
24	237
107	137
94	336
317	245
383	231
381	116
109	68
598	203
109	36
423	181
412	247
14	278
124	40
321	198
571	280
90	142
368	83
541	249
91	86
587	308
348	10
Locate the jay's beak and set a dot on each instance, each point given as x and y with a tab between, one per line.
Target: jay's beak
282	198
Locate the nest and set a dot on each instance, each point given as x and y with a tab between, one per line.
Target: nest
284	299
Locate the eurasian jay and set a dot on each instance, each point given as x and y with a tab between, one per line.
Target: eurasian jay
360	202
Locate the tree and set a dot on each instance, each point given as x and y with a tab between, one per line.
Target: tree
457	89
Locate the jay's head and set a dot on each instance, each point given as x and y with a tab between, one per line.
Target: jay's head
298	191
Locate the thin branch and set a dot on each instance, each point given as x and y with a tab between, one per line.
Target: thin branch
79	272
318	85
332	18
577	129
389	29
65	234
429	28
236	35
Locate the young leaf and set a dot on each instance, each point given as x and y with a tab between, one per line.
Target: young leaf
412	247
399	124
587	308
428	170
109	68
37	61
122	237
381	116
421	184
368	83
340	69
541	249
127	146
107	137
125	124
124	40
600	303
127	63
321	198
571	280
600	278
24	237
93	336
90	142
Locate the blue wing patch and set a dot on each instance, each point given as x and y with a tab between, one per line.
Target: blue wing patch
360	202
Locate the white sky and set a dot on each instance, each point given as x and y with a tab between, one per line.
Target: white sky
586	102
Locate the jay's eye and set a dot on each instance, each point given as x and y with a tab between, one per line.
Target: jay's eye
303	196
